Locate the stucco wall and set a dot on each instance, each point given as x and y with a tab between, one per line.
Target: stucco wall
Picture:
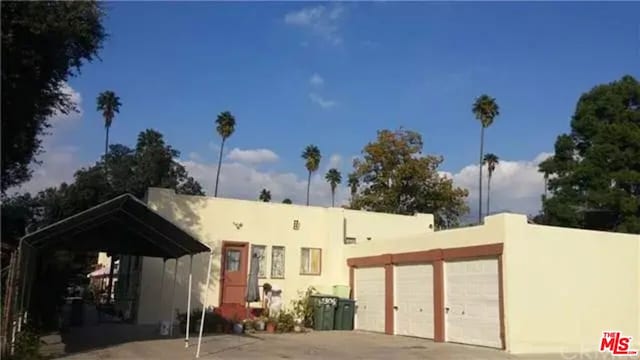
213	220
564	287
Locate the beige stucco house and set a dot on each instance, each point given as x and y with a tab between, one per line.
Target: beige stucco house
505	284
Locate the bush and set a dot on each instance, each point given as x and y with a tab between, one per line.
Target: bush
213	322
27	346
285	321
303	307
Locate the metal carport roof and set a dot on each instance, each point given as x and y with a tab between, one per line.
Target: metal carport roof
123	225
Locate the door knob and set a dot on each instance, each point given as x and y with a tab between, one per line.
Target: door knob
446	310
395	308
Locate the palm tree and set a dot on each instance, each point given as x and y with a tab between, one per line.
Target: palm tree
225	125
312	157
491	160
485	110
353	184
265	195
334	178
287	201
109	103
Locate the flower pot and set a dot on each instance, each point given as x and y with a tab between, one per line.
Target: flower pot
271	327
259	325
238	328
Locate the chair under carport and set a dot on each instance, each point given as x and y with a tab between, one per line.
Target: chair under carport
123	225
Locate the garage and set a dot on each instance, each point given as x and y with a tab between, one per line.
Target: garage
370	299
472	302
414	300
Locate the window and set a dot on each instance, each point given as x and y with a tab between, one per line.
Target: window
232	260
310	261
260	250
277	262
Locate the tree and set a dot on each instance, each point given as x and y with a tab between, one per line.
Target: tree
491	160
287	201
485	110
225	126
265	195
109	103
593	177
43	45
353	185
312	157
334	178
396	178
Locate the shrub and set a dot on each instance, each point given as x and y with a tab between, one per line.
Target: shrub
27	346
285	321
303	307
213	322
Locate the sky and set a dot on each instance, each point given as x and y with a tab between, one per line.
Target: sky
332	74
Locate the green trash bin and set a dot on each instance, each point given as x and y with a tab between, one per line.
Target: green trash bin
324	308
345	312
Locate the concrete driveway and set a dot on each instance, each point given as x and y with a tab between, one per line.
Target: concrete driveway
312	345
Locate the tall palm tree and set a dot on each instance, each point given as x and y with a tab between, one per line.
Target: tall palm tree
334	178
109	104
312	157
485	110
225	126
265	195
491	160
353	184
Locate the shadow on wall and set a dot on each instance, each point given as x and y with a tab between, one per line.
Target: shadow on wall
185	212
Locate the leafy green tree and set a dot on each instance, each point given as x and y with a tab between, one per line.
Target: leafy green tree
353	185
287	201
44	43
225	126
491	161
109	104
265	195
334	178
593	178
485	110
312	157
397	178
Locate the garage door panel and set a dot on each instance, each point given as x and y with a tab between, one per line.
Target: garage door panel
414	300
472	297
370	298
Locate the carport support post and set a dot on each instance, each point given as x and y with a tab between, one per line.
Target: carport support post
173	297
204	304
186	338
164	264
110	285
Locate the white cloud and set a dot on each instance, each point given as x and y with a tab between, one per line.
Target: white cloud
516	186
316	80
242	181
252	156
322	102
320	20
58	118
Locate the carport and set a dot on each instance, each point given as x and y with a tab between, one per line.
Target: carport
123	225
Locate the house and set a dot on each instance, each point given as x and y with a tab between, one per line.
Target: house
505	284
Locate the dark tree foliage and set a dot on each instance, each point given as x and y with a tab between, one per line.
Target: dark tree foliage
44	43
594	175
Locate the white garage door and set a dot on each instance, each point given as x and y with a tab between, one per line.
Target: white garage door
369	295
472	302
414	300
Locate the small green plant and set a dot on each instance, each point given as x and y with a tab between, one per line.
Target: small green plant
27	346
285	321
303	306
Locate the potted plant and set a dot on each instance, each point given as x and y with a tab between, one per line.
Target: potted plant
271	325
259	323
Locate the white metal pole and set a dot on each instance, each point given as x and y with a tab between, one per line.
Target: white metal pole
186	338
204	304
173	298
164	263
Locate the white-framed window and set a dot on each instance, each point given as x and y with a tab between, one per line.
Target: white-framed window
260	251
277	262
310	261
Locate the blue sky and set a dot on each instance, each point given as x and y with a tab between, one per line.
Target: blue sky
376	65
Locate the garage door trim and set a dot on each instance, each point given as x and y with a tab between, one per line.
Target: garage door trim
437	258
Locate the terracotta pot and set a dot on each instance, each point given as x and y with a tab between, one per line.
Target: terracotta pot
271	327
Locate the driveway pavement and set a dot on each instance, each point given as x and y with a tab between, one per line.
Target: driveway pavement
312	345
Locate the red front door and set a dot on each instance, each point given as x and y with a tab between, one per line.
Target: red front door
234	273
